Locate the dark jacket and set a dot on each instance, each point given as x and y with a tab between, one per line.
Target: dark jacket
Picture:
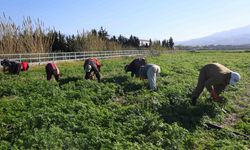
134	66
11	66
212	75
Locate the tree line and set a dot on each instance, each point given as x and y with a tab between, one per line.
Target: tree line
33	37
100	40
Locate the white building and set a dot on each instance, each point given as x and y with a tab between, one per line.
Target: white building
144	42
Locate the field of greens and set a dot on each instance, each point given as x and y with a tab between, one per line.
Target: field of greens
120	112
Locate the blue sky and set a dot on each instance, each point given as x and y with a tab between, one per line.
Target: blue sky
155	19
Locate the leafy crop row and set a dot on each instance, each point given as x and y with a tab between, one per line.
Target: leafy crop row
120	112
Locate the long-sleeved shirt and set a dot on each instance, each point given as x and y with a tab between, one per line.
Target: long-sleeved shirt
135	65
25	66
212	75
150	71
13	67
143	70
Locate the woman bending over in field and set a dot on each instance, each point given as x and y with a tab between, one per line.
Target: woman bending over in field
92	67
11	66
134	66
24	66
52	69
215	77
150	72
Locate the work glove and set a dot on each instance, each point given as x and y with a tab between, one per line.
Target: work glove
215	97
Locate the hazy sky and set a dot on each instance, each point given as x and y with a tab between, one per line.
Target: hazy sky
156	19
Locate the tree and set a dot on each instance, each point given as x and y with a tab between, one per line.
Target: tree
171	43
123	40
167	44
102	33
133	41
113	39
150	42
136	42
72	44
94	32
164	43
156	45
59	43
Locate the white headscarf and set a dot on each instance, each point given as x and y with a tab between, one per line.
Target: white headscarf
235	77
88	68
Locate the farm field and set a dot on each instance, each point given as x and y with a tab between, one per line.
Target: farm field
120	112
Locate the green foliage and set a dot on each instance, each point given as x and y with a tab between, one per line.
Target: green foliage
120	112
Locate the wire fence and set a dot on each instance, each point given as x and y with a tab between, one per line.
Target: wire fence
37	58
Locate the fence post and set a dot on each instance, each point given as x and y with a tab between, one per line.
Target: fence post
39	59
20	58
75	55
30	58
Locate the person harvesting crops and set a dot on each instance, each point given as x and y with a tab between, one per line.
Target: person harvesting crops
215	77
150	72
134	66
52	69
6	65
92	67
24	66
11	66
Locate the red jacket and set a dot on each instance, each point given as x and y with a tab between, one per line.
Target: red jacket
25	66
54	66
97	62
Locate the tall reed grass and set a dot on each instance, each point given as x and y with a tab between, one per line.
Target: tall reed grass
29	37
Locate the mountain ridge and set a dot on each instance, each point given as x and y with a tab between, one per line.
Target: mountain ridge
237	36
